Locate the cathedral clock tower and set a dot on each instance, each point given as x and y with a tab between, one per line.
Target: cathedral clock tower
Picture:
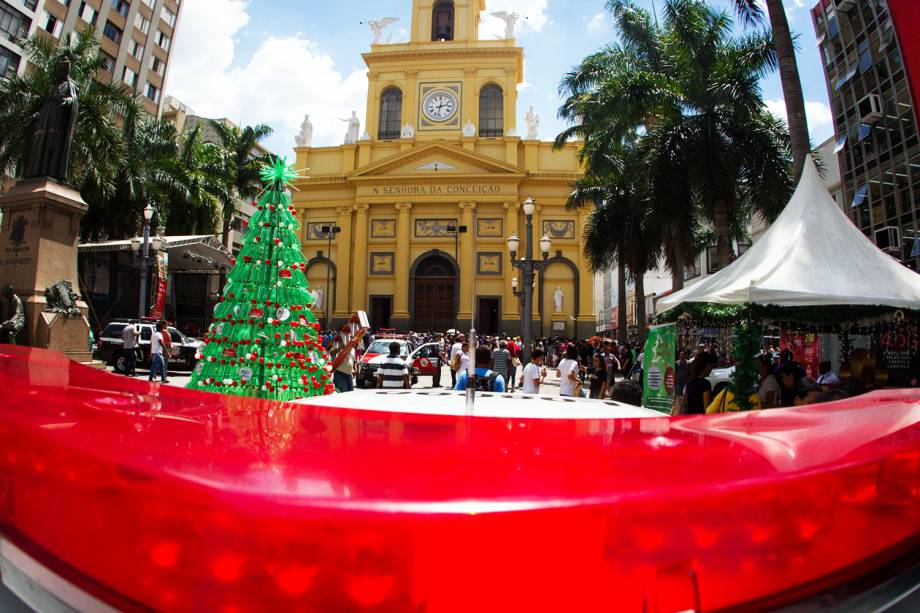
428	192
445	79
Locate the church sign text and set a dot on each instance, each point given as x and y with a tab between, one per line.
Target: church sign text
435	190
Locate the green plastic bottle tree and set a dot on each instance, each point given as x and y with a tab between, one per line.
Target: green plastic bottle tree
264	340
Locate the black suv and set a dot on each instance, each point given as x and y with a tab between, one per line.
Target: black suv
109	345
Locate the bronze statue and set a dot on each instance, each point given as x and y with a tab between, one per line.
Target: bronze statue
50	152
15	316
60	298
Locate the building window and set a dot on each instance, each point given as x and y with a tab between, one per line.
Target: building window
109	62
87	13
149	3
442	20
111	32
51	24
152	92
157	65
121	7
13	24
390	114
9	63
136	49
141	23
162	40
168	16
865	56
861	194
491	112
833	26
129	77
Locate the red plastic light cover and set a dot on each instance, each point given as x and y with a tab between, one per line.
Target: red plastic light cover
166	498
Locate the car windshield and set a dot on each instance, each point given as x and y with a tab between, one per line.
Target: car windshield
384	347
112	330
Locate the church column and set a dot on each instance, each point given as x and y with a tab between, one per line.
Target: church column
410	100
467	264
512	308
342	263
404	234
538	289
359	287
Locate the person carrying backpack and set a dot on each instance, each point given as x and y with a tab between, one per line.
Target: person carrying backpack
485	379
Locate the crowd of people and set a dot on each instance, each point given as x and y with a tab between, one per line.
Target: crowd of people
592	368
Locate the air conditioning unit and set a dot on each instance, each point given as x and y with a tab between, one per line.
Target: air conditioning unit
888	238
845	5
870	108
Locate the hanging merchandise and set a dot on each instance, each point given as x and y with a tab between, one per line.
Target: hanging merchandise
264	340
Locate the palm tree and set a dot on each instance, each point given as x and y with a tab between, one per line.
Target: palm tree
750	12
97	149
243	180
201	169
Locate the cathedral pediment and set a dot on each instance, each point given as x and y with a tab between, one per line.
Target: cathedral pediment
436	160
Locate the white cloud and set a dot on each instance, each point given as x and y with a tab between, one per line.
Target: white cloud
817	113
533	17
596	23
285	78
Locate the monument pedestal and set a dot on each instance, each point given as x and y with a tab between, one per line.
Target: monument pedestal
38	248
560	325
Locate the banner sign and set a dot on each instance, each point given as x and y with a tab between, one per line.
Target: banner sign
806	350
162	285
659	378
897	355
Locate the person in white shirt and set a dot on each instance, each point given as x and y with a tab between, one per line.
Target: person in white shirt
456	348
129	349
568	370
827	379
157	360
534	373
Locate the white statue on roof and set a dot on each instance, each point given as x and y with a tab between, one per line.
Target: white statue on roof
354	128
378	26
305	138
510	20
533	124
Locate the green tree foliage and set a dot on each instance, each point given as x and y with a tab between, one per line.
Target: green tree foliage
264	341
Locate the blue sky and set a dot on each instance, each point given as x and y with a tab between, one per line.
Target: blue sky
272	61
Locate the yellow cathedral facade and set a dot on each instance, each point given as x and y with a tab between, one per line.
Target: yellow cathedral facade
439	154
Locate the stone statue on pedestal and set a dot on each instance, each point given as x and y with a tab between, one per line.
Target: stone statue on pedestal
408	131
15	316
469	129
557	299
49	155
510	20
378	26
305	138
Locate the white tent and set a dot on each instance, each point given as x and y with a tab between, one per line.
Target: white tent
811	256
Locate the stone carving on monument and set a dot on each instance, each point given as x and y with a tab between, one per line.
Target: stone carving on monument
408	131
305	138
469	129
14	317
61	298
39	230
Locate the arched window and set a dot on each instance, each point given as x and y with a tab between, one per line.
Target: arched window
390	114
442	20
491	111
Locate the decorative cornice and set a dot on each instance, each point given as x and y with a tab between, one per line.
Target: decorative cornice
361	209
403	206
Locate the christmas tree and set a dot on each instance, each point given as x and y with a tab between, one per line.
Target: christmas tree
264	339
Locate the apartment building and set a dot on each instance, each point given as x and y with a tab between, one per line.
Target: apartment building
870	55
136	37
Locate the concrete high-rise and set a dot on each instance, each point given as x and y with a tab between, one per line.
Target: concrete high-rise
871	57
136	37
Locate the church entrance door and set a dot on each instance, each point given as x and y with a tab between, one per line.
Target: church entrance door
435	288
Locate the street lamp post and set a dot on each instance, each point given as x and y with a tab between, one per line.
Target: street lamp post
330	232
456	231
528	267
145	265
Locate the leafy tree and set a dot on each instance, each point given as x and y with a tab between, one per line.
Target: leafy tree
243	181
201	168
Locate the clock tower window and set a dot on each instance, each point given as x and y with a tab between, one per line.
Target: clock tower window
390	114
491	112
442	20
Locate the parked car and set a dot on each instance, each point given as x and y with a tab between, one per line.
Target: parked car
109	345
380	348
425	361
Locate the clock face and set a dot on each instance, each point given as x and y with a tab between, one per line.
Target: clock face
440	105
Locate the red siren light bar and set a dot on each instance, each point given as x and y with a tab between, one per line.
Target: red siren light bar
176	500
